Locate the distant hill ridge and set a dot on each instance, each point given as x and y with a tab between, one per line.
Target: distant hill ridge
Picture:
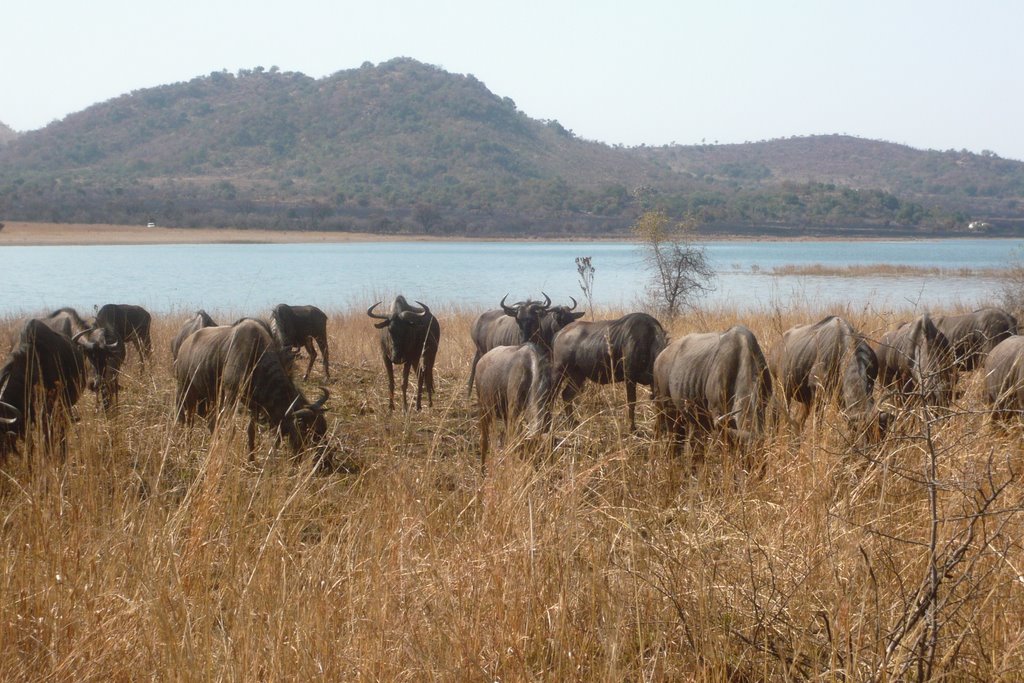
6	133
407	147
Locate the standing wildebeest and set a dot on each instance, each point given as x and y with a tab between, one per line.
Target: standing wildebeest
1004	378
219	368
197	322
101	346
829	357
514	381
516	324
974	334
408	337
606	351
40	381
296	326
130	323
711	382
916	358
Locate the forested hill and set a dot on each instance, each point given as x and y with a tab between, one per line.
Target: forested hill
6	133
407	147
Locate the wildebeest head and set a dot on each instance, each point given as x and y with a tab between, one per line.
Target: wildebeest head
528	315
308	422
105	353
9	418
563	315
404	322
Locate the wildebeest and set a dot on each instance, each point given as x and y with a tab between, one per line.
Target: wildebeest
40	382
711	382
197	322
916	358
1004	378
516	324
829	357
102	348
514	382
300	326
219	368
409	337
976	333
130	323
621	350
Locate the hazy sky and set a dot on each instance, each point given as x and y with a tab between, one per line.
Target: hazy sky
937	74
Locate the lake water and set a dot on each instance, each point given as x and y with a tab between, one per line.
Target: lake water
253	277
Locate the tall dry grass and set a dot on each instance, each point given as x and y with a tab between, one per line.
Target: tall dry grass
159	553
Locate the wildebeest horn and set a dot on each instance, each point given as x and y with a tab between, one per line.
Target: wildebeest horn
508	310
574	304
369	312
547	300
426	310
112	346
8	407
85	331
415	310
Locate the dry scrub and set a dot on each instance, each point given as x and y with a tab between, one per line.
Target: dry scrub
159	553
885	270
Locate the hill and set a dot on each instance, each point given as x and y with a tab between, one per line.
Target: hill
407	147
7	133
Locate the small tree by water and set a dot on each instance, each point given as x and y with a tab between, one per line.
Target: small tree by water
680	271
586	270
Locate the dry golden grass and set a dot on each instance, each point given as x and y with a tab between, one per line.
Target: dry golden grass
158	553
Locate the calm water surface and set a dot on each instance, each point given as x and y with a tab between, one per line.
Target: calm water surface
253	277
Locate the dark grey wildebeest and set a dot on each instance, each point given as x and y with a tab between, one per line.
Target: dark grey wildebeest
917	359
103	349
1004	378
130	323
513	383
300	326
605	351
976	333
409	337
507	326
220	368
829	362
199	321
711	383
40	382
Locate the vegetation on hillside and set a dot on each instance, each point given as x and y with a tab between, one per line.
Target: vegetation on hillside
407	147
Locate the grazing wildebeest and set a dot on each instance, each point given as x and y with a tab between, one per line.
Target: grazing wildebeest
621	350
712	382
514	381
829	357
916	358
299	326
1004	378
219	368
974	334
408	337
40	382
197	322
521	322
130	323
101	346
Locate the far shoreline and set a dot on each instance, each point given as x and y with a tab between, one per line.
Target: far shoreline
28	234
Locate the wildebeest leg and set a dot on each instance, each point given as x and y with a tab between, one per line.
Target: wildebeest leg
631	404
485	441
573	385
308	344
325	352
250	433
472	373
419	385
390	367
405	386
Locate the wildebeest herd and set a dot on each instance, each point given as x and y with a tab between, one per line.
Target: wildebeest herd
703	385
